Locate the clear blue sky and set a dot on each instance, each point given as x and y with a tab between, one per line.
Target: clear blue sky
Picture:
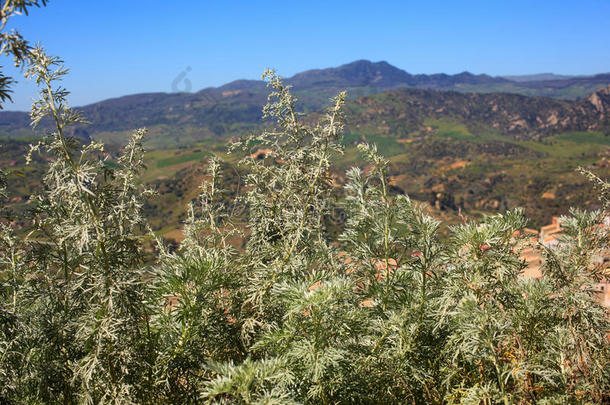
115	48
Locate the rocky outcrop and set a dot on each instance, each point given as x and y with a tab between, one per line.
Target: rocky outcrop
601	101
519	116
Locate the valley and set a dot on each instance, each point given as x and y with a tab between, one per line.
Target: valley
465	145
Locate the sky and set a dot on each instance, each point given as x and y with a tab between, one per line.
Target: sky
114	48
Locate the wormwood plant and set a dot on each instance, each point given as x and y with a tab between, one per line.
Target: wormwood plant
265	306
11	325
287	197
197	296
389	313
81	295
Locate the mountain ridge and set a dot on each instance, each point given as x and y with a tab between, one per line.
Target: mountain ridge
364	72
236	106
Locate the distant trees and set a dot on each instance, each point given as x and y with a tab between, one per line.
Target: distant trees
387	312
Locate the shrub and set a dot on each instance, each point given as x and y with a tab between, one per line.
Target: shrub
387	312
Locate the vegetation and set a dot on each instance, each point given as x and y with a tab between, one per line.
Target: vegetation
486	152
261	304
386	313
181	159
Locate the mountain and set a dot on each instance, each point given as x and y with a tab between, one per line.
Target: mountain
363	77
382	75
361	73
520	117
235	107
478	153
536	77
599	80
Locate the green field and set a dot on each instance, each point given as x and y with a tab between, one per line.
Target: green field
452	130
564	145
386	145
188	157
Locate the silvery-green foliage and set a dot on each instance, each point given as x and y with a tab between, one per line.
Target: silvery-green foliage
318	336
389	312
197	288
84	291
13	326
385	234
480	287
515	340
580	350
394	253
287	196
263	382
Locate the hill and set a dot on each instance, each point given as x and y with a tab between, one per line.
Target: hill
462	152
400	111
234	108
536	77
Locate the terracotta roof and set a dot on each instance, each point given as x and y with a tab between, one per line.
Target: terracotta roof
550	228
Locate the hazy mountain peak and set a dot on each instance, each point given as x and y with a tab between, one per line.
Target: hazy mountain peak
355	74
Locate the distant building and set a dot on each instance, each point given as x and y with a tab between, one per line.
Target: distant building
533	259
549	236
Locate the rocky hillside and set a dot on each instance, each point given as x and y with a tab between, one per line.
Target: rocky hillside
400	111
